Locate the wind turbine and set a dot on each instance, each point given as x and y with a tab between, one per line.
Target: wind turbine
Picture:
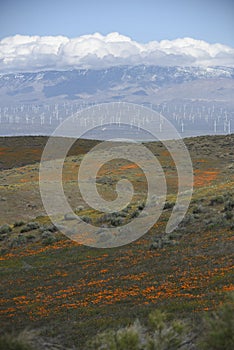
215	126
182	126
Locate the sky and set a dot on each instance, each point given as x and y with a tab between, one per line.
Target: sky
140	21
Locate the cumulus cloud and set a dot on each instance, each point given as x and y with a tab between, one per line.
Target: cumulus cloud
33	53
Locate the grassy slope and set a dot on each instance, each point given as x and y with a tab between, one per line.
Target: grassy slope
73	291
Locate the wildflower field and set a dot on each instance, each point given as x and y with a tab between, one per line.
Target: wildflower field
72	291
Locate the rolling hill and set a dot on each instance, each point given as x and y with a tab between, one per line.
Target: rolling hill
70	292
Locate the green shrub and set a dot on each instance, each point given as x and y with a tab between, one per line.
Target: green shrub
217	200
49	227
229	215
33	225
123	214
157	320
126	209
30	227
166	335
86	219
25	229
218	331
189	218
22	341
115	218
135	214
49	240
162	335
198	209
229	205
141	206
168	205
103	341
217	222
127	338
49	237
5	229
18	241
30	237
118	221
19	223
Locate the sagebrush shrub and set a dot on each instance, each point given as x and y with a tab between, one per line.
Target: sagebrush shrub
218	331
19	223
229	205
162	335
168	205
127	338
22	341
5	229
30	227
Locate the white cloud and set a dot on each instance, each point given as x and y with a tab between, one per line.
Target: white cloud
33	53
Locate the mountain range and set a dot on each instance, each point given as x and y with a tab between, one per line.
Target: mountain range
153	84
197	100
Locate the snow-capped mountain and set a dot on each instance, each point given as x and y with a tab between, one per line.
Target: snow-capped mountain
129	83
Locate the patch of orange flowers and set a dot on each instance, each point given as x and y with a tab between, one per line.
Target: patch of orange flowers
204	177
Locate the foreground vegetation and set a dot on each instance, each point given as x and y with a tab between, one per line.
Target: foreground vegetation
160	333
